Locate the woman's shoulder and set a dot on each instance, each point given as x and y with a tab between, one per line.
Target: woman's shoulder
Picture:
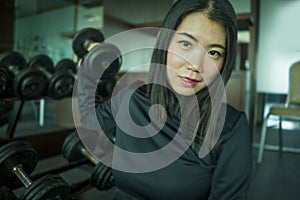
235	129
233	115
234	120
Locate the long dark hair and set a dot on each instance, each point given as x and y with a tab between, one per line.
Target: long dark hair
220	11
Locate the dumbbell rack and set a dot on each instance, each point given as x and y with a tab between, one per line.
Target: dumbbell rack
76	188
13	120
15	116
35	79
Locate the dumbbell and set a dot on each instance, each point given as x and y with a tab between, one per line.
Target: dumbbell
17	160
74	150
8	69
62	81
107	56
7	194
44	63
61	78
85	39
27	83
105	87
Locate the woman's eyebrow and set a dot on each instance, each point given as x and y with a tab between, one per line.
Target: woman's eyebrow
217	46
193	38
188	35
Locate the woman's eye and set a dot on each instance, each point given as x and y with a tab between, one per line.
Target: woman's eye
215	53
185	44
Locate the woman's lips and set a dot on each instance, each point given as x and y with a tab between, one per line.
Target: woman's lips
188	82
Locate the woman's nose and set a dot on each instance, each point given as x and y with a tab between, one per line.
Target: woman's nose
197	60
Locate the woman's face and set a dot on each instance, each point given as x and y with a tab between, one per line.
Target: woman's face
195	54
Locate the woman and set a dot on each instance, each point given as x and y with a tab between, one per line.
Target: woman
208	152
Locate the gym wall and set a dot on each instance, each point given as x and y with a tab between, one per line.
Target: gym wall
41	34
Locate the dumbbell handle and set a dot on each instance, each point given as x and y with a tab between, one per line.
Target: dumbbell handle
22	175
89	44
14	70
89	156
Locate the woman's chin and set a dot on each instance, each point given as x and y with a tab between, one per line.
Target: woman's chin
185	91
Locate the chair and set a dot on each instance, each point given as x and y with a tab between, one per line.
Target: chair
289	111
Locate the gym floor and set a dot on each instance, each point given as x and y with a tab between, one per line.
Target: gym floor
276	178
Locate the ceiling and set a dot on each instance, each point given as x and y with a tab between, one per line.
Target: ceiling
31	7
131	13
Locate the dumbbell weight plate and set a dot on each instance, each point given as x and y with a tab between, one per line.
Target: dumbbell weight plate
66	64
102	177
71	146
48	187
13	154
10	61
12	58
105	59
62	82
61	85
30	83
43	61
7	194
105	87
86	34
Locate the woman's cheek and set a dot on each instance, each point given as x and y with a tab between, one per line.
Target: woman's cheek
174	60
212	68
